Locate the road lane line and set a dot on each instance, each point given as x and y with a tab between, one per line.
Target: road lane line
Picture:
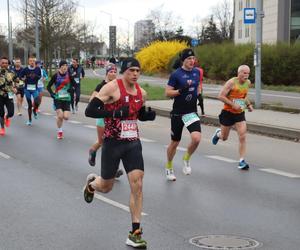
279	172
74	122
5	156
221	158
45	113
90	126
146	140
178	148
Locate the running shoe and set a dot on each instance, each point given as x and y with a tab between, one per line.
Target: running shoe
187	170
170	174
243	165
6	122
88	192
2	131
119	173
35	114
60	135
19	114
92	157
28	123
215	137
135	239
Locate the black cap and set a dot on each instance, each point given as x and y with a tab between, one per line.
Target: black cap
186	53
128	63
62	62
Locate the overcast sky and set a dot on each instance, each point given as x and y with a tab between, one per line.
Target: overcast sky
132	10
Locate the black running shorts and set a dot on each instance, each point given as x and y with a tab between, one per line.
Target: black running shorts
113	150
63	105
228	119
177	126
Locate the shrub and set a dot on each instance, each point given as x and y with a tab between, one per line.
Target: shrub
156	57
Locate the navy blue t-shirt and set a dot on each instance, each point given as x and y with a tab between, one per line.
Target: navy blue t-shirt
186	102
32	76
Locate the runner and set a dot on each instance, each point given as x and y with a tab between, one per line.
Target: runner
20	90
183	86
76	71
121	103
42	80
7	90
234	95
31	74
111	74
63	83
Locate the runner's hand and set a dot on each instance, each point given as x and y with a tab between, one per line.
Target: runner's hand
122	112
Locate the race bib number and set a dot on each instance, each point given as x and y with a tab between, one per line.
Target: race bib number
31	87
63	93
240	102
10	95
190	118
129	129
77	80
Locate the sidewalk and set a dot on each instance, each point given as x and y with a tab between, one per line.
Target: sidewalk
267	122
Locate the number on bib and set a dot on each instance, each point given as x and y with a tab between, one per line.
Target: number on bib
190	118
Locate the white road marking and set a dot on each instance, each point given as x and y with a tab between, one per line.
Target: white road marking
221	158
279	172
74	122
90	126
5	156
178	148
45	113
146	140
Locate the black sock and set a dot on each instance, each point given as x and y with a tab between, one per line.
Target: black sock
135	226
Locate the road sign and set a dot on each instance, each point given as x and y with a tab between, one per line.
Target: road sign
249	15
194	42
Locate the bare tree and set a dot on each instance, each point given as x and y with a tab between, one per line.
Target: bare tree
223	13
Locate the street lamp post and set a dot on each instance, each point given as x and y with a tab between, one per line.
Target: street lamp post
37	45
110	32
84	34
10	45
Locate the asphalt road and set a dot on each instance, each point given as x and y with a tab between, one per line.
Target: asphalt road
42	204
278	98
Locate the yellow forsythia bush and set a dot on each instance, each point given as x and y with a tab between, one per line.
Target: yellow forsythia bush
156	57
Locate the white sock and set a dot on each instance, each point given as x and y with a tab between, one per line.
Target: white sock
241	159
59	130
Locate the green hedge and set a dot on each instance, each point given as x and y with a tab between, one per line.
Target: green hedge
280	63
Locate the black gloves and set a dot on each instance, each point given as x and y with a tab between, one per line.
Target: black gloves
184	89
146	115
122	112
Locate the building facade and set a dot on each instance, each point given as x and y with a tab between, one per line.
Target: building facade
281	22
144	31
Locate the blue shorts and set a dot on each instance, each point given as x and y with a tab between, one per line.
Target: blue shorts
40	89
29	93
100	122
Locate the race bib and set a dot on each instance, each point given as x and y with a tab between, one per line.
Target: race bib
190	118
77	80
240	102
10	95
63	93
31	87
129	129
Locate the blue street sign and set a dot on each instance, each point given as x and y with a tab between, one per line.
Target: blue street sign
249	15
194	42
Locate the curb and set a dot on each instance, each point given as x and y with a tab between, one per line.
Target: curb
259	128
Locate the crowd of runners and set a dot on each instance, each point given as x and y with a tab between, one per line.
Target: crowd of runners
117	103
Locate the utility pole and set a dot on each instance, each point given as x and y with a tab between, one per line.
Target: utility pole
257	55
37	45
26	42
10	45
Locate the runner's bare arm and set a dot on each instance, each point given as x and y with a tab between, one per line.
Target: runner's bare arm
224	92
109	92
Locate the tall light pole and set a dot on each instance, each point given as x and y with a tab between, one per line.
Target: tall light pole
128	27
112	33
10	45
84	32
37	45
110	15
259	15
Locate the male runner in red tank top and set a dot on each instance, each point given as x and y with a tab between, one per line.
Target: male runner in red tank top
120	102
